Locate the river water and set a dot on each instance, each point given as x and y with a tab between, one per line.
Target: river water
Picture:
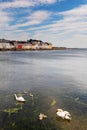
57	79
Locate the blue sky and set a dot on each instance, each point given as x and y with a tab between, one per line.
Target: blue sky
61	22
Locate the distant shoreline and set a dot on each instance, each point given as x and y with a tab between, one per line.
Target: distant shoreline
53	48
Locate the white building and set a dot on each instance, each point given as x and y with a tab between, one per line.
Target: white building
1	46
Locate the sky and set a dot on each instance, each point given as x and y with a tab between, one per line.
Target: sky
60	22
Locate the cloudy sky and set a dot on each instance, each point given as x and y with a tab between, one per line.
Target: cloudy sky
61	22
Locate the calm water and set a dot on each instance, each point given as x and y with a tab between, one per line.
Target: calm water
57	79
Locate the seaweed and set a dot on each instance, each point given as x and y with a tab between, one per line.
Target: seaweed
53	102
11	110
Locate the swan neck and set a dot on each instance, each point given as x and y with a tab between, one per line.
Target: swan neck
15	95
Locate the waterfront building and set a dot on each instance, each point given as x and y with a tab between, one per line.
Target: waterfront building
24	45
1	46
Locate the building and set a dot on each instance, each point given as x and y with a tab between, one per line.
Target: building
24	45
1	46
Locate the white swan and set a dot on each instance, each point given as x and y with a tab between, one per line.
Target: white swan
25	92
31	95
63	114
42	116
19	99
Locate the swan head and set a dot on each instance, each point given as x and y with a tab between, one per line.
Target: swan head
15	96
59	110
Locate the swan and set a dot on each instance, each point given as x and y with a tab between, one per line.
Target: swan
25	92
42	116
19	99
31	95
63	114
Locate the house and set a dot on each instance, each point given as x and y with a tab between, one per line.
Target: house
22	45
1	46
18	45
5	45
8	46
26	46
48	45
45	45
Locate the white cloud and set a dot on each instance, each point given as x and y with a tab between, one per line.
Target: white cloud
4	20
47	1
24	3
75	19
12	31
80	11
17	4
15	35
69	21
35	18
70	31
39	16
4	17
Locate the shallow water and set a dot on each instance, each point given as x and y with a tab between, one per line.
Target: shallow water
57	79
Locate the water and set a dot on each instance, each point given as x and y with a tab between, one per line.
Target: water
57	79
